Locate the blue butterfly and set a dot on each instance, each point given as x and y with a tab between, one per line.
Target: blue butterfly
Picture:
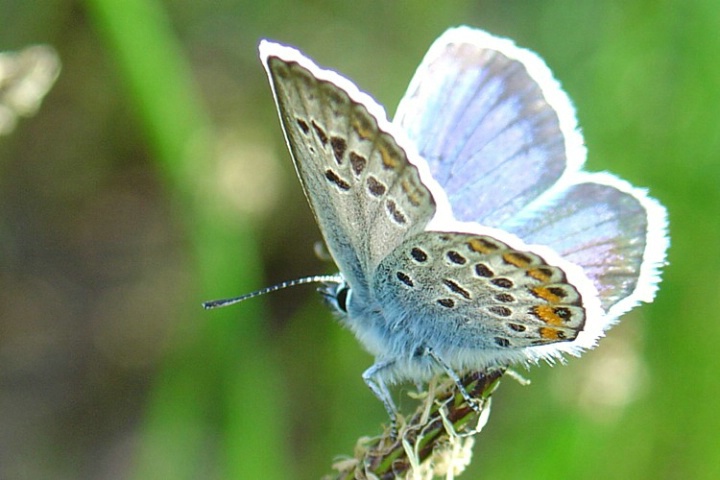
466	233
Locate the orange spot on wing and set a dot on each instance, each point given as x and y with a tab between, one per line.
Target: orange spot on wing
412	193
552	334
481	245
517	259
540	274
389	161
546	294
363	130
547	314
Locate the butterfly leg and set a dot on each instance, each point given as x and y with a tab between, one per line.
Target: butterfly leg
373	379
472	402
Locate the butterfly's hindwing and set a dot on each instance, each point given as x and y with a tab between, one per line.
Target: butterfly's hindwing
475	292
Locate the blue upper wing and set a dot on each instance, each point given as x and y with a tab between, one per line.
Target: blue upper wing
615	232
493	124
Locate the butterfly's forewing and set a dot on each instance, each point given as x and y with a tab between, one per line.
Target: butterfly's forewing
492	122
613	231
365	194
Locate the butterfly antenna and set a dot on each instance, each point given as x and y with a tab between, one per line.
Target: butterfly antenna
290	283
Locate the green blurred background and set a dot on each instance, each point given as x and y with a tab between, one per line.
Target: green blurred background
154	177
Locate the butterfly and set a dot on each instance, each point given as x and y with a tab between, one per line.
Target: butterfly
466	233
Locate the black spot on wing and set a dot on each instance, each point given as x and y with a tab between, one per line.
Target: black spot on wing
334	178
357	162
395	212
339	145
504	298
454	287
375	188
405	278
322	136
419	255
446	302
482	270
502	282
456	258
500	310
502	342
303	125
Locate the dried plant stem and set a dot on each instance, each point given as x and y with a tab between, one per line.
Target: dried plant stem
434	441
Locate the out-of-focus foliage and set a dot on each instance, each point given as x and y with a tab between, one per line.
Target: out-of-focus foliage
154	176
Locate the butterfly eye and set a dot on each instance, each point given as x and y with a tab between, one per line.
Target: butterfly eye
341	297
335	291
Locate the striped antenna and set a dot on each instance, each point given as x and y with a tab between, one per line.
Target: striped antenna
290	283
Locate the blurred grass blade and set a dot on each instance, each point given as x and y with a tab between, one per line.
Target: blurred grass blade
222	372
